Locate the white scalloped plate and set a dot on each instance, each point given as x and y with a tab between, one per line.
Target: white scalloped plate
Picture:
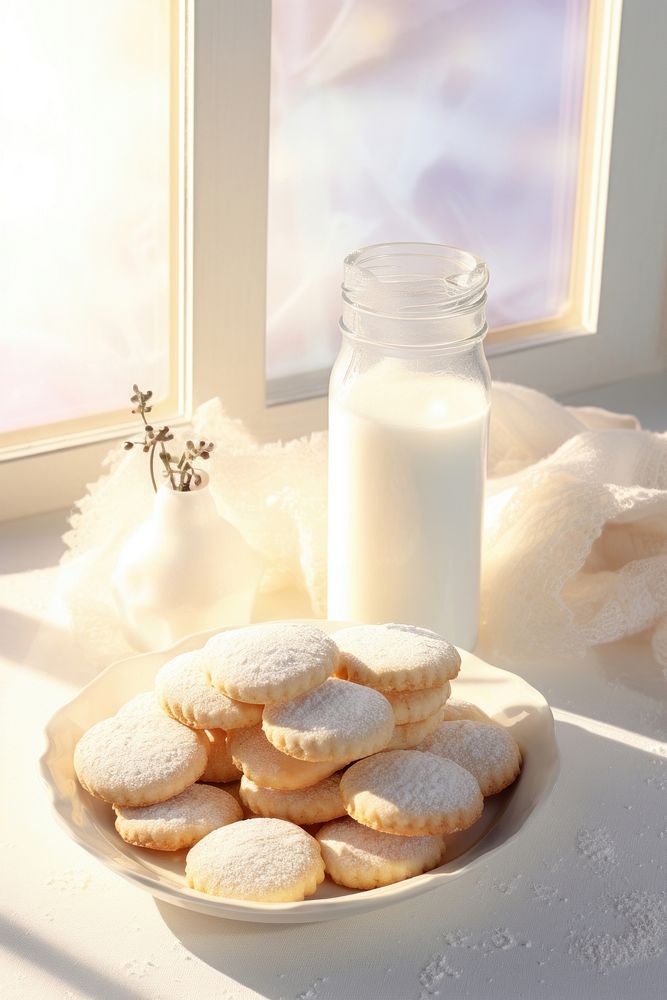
506	697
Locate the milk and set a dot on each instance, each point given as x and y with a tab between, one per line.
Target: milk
407	454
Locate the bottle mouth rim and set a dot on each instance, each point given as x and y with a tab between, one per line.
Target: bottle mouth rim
402	344
416	281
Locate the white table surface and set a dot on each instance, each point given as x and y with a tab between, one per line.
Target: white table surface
514	928
574	907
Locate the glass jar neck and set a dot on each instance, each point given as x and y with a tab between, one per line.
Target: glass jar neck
407	297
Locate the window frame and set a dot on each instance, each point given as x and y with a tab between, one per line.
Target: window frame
51	470
225	54
586	346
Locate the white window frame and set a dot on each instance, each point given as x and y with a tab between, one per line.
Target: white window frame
51	472
225	51
619	235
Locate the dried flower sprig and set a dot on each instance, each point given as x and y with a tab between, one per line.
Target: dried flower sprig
179	470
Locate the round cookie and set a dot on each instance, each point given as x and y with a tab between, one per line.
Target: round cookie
220	767
338	720
317	804
361	858
262	763
412	793
141	705
270	662
268	860
137	760
485	749
412	733
455	710
415	706
395	657
183	690
178	822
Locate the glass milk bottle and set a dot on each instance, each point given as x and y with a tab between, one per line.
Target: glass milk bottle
408	418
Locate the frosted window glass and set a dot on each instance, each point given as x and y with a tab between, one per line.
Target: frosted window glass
84	206
449	121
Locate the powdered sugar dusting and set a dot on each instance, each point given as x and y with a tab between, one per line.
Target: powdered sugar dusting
334	707
456	938
262	762
338	716
312	992
316	804
200	808
71	880
547	894
396	657
501	940
411	734
131	758
267	662
506	886
413	780
413	706
597	848
261	859
488	751
408	786
433	975
456	709
368	846
142	704
139	968
182	687
640	938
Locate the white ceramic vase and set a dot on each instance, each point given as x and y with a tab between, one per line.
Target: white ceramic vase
183	570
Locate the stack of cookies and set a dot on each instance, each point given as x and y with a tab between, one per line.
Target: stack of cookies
345	763
411	667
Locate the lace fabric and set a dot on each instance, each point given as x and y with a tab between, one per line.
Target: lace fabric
575	542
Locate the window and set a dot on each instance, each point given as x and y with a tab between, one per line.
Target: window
430	121
561	323
90	175
95	218
172	267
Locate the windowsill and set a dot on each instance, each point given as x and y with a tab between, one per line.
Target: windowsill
644	395
32	542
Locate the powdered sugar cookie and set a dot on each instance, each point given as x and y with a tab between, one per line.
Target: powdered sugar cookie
488	751
336	720
220	767
411	793
268	860
262	763
270	662
395	657
137	760
414	706
178	822
361	858
456	709
408	736
183	690
141	705
317	804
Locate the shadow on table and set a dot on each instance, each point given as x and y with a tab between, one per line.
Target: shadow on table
18	632
630	663
42	645
271	958
63	966
597	685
